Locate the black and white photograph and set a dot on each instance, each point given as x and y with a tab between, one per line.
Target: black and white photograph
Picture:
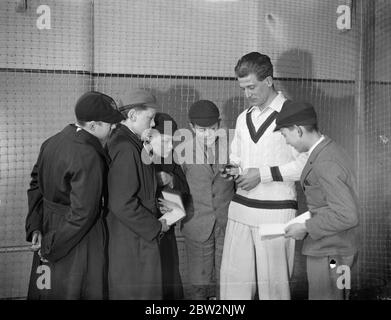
196	154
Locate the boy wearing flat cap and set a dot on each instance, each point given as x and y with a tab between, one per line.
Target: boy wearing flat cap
205	223
133	225
329	184
65	199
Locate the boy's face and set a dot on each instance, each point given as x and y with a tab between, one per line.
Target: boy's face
102	130
161	144
208	133
144	120
293	137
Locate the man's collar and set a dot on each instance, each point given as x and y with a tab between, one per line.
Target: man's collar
275	105
316	144
78	128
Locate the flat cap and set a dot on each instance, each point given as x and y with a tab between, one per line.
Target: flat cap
96	106
135	97
295	113
204	113
160	119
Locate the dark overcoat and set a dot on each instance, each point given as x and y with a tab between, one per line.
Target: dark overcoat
65	204
172	282
132	220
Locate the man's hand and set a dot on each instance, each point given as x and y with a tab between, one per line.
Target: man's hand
249	180
165	226
229	171
165	179
36	240
297	231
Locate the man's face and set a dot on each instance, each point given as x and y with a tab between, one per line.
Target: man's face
293	138
257	92
144	120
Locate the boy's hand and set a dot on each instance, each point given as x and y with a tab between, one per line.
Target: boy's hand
42	258
167	205
165	226
36	240
297	231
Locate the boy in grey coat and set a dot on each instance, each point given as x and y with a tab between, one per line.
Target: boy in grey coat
329	184
206	220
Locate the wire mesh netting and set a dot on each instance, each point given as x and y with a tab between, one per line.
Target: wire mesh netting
376	150
185	50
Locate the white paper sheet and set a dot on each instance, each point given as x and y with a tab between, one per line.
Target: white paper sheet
175	215
174	197
278	229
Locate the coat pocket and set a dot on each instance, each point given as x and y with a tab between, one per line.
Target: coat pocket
315	196
54	217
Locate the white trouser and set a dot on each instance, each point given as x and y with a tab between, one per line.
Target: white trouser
249	259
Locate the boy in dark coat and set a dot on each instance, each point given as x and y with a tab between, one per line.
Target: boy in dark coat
329	184
65	197
133	225
170	178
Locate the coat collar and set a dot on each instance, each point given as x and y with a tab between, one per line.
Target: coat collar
275	105
315	153
124	130
256	135
82	136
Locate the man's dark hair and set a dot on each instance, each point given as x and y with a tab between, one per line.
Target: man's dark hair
256	63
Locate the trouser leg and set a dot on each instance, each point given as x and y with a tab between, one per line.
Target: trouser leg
200	258
219	245
274	258
237	274
329	277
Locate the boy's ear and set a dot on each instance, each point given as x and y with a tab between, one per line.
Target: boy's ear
300	131
91	125
132	114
